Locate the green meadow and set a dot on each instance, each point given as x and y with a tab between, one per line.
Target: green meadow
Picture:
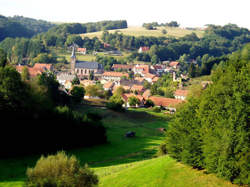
141	31
123	161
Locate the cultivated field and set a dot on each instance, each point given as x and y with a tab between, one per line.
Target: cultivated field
140	31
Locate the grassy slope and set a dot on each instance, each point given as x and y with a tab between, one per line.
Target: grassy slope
118	150
162	171
123	161
140	31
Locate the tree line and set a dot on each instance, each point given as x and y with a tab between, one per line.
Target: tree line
211	131
19	26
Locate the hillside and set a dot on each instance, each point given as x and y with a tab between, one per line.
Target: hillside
162	171
19	26
140	31
123	161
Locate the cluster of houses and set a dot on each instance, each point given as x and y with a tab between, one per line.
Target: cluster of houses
118	77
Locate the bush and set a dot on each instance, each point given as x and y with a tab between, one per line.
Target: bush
115	103
60	170
149	103
162	150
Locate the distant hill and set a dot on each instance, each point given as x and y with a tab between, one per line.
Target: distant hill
140	31
19	26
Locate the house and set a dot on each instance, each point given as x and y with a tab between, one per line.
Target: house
106	45
139	79
37	69
146	94
68	84
143	49
139	89
149	77
181	94
141	69
86	83
114	76
63	77
108	86
126	67
174	65
84	68
167	103
126	96
155	79
159	69
82	50
126	88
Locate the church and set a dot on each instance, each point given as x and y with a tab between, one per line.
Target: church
84	68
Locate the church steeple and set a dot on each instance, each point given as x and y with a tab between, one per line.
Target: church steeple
73	55
73	60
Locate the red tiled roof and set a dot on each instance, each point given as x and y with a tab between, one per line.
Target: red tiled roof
32	71
114	74
149	75
140	79
128	95
137	88
145	68
165	102
42	66
155	79
173	63
146	94
122	66
181	92
108	85
144	48
81	49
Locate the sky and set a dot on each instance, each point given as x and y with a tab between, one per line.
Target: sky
188	13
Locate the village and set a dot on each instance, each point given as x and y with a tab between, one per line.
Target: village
131	78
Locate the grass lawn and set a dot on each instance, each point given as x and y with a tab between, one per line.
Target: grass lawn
140	31
157	172
118	150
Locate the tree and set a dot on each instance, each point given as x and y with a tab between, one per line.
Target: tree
60	170
94	91
77	93
3	58
115	103
119	91
164	31
75	81
192	70
91	75
48	80
133	101
25	74
149	103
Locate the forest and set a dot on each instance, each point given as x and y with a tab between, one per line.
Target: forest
211	130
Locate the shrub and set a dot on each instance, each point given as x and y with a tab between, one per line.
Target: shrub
162	150
115	103
149	103
60	170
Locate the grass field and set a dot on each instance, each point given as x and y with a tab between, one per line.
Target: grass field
118	150
140	31
123	161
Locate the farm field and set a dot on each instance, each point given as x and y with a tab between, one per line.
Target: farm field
123	161
140	31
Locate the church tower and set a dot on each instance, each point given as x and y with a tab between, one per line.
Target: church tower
73	61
